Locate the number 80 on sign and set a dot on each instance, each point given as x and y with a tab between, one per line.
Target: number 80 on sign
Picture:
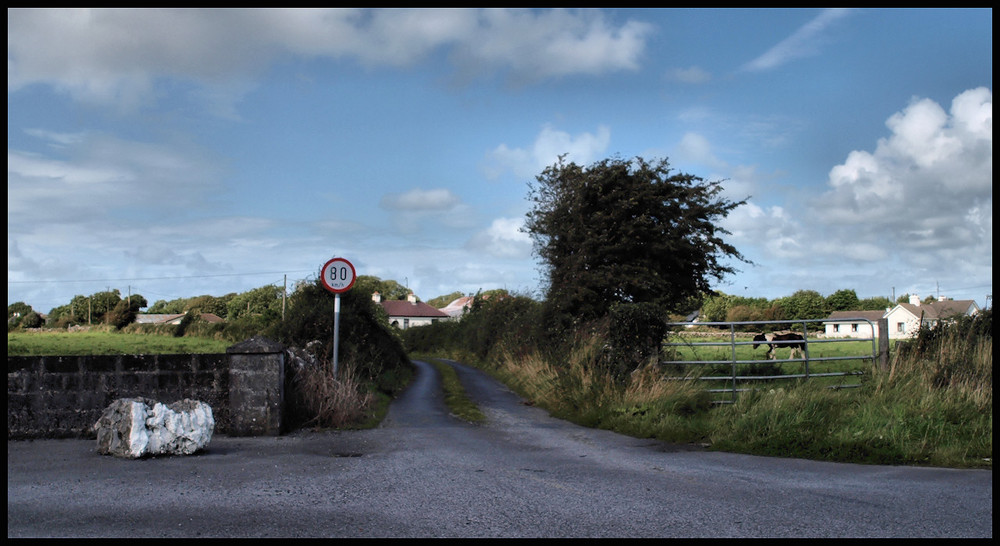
338	275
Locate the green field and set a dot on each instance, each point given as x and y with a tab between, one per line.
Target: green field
107	343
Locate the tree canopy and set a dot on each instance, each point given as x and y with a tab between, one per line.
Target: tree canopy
627	232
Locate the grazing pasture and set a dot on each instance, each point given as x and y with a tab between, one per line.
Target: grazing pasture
96	342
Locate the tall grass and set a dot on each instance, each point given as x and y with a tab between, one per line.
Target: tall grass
104	340
577	388
932	406
324	400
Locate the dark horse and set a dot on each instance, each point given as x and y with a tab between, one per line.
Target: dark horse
773	341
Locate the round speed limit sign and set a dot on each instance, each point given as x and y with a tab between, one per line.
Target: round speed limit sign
338	275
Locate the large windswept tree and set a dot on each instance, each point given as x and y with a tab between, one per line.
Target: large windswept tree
626	231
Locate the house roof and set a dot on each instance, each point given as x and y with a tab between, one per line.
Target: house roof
939	309
458	306
846	316
402	308
146	318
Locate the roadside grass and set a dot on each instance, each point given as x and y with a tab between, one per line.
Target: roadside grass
107	342
455	398
934	410
899	416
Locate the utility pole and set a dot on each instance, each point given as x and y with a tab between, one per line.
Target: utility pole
283	293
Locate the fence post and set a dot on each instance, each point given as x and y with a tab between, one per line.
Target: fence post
732	343
883	344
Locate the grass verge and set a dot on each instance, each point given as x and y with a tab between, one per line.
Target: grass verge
932	409
455	398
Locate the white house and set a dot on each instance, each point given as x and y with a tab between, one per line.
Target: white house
409	313
905	319
853	324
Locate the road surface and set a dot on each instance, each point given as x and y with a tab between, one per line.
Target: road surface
424	473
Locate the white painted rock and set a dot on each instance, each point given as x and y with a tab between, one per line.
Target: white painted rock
135	427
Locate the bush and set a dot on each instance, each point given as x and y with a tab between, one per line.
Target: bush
366	339
491	325
635	333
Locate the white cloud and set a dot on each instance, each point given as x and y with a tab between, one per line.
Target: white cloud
803	43
582	149
694	147
503	239
692	75
438	199
418	208
541	44
769	229
116	55
925	194
95	176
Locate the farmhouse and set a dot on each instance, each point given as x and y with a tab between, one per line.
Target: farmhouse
853	324
904	319
409	313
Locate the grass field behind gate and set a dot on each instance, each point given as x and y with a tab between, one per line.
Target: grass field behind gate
679	361
107	343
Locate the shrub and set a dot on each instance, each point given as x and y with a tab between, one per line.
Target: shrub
635	334
366	339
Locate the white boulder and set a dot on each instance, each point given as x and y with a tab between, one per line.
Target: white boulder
137	427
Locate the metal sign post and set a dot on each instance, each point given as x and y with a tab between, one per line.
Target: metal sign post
338	276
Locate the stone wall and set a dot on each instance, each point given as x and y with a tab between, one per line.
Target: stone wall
63	396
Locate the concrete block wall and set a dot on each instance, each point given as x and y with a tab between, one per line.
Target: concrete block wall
63	396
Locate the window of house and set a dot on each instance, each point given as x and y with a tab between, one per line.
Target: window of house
899	327
836	327
854	327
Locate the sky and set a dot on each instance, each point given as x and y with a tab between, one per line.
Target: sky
177	153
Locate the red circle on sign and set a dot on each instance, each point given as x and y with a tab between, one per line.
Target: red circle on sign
338	275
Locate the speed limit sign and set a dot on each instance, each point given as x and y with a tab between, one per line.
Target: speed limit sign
338	275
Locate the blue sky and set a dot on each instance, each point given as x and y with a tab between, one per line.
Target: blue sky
180	153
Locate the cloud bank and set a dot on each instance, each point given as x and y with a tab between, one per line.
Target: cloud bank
117	55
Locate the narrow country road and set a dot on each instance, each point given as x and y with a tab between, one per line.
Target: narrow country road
424	473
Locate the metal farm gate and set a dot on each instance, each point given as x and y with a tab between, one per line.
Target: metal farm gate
738	379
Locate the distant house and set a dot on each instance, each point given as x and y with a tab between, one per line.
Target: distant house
458	307
853	324
173	318
904	319
409	313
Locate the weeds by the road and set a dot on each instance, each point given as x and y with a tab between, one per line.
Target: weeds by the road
329	401
454	394
932	406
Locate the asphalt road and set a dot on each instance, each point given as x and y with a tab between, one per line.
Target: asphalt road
424	473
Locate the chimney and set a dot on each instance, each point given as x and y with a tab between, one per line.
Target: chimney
915	300
376	297
411	298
